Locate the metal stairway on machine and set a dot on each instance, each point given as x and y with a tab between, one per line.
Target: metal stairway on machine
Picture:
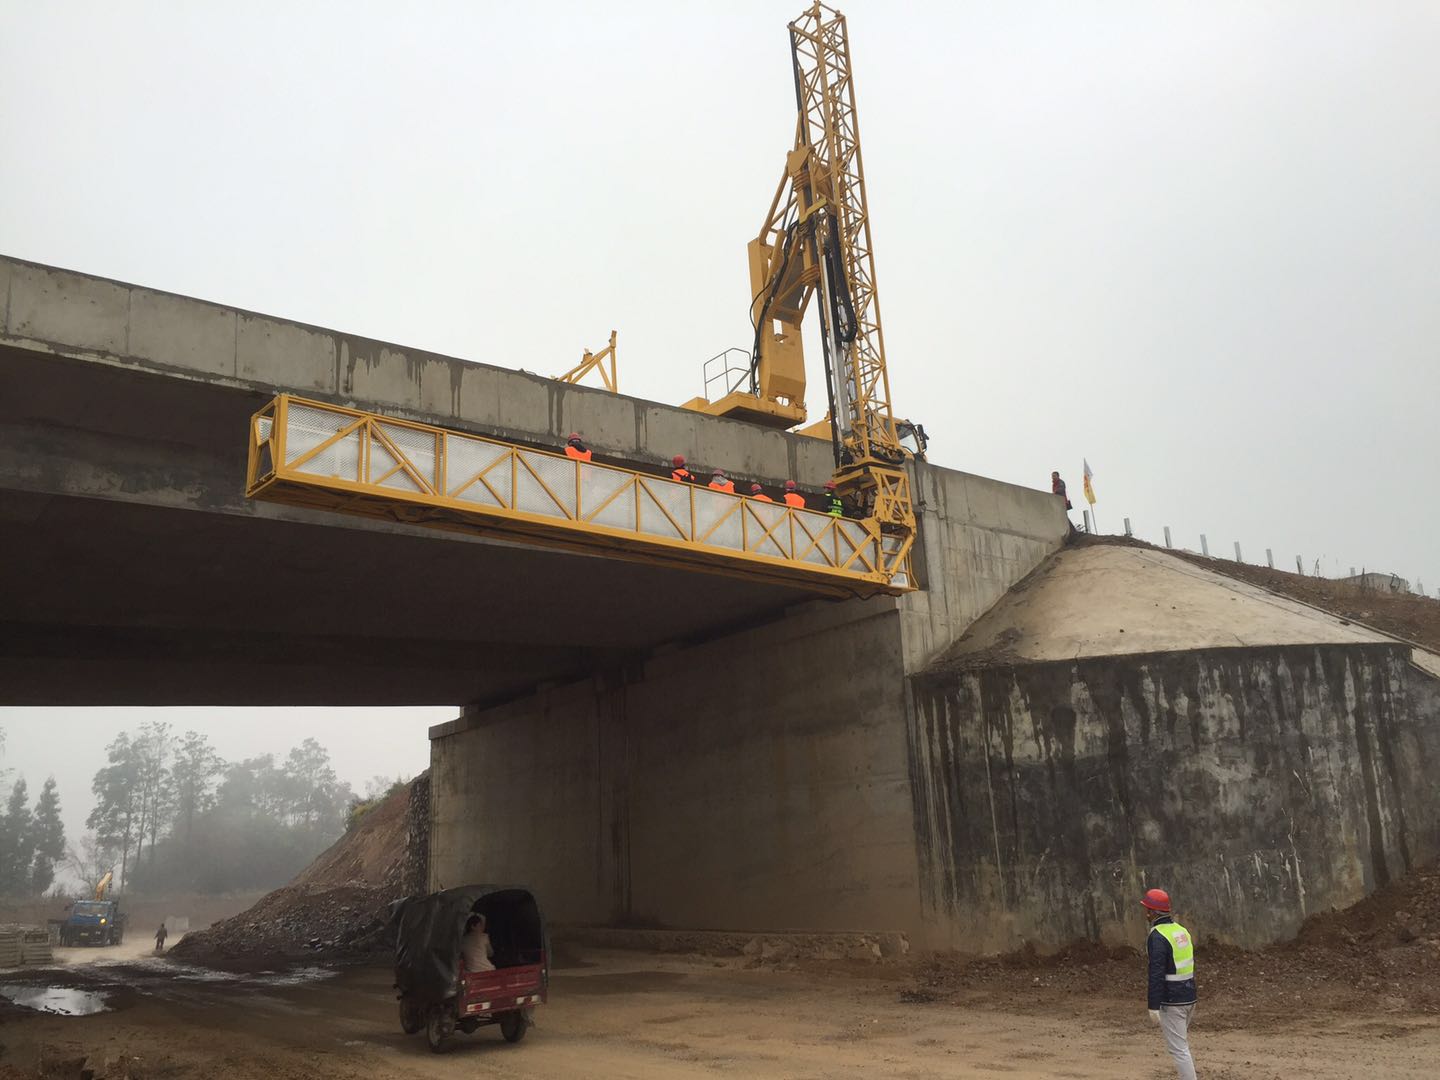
323	456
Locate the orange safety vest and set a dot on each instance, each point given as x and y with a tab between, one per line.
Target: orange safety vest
577	454
762	498
728	486
684	476
795	499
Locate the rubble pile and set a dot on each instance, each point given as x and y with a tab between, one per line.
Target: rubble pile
339	904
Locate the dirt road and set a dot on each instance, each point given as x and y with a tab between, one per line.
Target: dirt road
642	1017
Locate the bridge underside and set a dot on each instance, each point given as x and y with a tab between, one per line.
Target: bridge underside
135	571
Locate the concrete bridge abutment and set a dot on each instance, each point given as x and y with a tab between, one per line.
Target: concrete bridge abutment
759	779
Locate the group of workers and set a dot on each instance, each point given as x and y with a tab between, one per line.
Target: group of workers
830	502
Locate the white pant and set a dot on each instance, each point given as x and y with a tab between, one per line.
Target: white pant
1175	1023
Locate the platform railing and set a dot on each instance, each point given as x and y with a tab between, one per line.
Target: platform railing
326	456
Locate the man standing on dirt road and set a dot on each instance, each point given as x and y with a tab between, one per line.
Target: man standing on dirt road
1172	979
160	936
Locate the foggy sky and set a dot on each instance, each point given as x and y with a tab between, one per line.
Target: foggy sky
1197	244
69	743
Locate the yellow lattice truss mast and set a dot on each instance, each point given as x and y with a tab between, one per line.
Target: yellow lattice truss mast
816	242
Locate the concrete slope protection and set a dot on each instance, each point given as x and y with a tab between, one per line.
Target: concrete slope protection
1116	600
1125	719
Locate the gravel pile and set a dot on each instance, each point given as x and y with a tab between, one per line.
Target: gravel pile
339	904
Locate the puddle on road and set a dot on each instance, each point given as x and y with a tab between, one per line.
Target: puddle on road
115	987
295	976
54	999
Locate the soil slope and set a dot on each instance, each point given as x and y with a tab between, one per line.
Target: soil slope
337	904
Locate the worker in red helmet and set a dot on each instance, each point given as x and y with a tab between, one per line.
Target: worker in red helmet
1171	995
575	448
832	504
720	482
793	498
678	472
758	494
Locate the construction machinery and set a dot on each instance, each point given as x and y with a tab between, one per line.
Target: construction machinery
815	242
323	456
96	921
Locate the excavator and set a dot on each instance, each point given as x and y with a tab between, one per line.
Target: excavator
815	244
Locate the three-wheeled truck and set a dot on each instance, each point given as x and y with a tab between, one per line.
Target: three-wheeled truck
437	994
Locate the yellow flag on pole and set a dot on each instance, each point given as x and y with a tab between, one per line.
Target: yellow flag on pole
1089	491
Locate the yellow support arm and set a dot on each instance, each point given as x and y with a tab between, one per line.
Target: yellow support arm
596	362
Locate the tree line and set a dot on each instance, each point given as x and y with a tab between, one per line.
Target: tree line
32	840
170	814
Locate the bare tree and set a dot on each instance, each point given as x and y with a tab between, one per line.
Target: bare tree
89	858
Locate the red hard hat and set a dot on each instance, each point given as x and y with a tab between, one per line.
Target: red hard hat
829	485
1157	900
678	460
755	489
789	485
574	436
718	472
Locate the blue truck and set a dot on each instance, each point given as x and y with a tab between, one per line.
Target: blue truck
97	921
93	922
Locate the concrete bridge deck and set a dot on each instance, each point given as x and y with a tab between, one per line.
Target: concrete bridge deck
137	573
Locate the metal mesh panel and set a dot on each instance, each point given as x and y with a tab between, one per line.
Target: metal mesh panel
264	460
712	507
556	474
815	525
307	428
596	486
263	426
766	518
675	498
418	448
464	458
386	470
890	544
855	537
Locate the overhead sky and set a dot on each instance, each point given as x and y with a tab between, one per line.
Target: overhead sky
1197	244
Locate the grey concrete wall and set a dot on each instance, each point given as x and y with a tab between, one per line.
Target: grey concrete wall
758	781
63	313
1259	786
978	537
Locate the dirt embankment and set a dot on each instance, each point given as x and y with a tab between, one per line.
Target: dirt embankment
1379	955
338	905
